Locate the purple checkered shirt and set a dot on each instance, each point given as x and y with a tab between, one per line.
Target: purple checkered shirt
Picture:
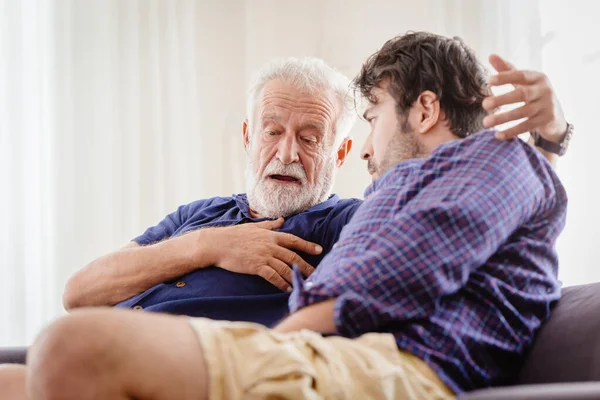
454	255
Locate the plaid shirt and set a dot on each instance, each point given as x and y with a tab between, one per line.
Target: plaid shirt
454	255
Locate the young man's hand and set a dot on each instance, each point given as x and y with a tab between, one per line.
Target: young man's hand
542	110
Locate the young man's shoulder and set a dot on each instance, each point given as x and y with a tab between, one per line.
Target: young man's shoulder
483	147
482	152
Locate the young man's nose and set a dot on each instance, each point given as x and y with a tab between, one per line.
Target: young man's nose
367	150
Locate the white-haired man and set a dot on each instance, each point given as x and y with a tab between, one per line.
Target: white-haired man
231	257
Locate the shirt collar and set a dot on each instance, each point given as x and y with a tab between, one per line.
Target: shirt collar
398	174
242	202
395	176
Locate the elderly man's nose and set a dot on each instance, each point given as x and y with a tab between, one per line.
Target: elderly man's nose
287	152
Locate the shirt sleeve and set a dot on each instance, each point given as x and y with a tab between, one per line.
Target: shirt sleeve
168	226
408	246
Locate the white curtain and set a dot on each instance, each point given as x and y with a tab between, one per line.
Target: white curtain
27	274
113	113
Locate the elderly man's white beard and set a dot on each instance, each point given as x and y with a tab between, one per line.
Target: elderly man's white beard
273	200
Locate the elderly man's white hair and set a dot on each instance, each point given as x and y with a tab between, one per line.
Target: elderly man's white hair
310	75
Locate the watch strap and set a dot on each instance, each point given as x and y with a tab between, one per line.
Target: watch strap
556	148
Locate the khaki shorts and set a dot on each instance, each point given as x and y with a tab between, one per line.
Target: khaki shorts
249	361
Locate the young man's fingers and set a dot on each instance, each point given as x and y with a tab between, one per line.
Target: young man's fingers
515	77
493	102
500	64
525	126
271	276
513	115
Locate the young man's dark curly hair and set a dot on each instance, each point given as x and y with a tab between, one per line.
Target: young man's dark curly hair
419	61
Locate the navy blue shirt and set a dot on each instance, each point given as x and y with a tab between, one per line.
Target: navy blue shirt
220	294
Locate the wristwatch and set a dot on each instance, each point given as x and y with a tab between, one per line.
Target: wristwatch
556	148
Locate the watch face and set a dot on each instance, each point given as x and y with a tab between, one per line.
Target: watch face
565	143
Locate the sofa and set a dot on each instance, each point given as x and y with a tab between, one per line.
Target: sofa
563	364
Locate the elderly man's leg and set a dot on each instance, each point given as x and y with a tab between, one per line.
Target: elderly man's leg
116	354
12	382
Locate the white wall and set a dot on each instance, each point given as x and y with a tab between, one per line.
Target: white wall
345	32
571	57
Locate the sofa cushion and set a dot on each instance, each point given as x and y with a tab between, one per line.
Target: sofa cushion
549	391
13	355
567	348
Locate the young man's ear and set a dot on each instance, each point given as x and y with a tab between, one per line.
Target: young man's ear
428	111
246	134
343	151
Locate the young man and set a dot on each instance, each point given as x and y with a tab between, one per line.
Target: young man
437	285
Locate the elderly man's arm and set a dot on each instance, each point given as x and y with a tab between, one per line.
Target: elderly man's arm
249	249
133	269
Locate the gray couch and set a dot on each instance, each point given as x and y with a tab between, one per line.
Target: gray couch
564	363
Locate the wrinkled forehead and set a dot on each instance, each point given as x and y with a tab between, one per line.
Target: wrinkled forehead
282	101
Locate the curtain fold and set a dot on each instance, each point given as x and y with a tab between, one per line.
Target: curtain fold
27	168
112	114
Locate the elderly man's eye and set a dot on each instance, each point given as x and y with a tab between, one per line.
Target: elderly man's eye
309	140
272	133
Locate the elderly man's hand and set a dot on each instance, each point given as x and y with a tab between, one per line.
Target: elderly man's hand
541	109
256	249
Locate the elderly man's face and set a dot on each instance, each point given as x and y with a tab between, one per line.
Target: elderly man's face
291	163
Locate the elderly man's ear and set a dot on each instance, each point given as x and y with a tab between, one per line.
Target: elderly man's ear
343	151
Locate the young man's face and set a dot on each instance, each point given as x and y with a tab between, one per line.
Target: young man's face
392	138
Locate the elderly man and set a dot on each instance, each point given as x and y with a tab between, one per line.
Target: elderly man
231	257
436	286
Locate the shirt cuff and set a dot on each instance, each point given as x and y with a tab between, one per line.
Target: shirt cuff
295	301
353	315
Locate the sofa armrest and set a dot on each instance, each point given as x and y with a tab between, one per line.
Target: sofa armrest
13	355
549	391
